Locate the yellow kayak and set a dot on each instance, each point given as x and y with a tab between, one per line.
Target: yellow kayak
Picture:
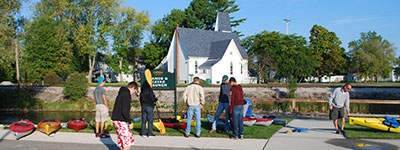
193	123
49	126
157	125
375	123
108	126
181	120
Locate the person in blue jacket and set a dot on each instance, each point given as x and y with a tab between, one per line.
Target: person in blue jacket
224	96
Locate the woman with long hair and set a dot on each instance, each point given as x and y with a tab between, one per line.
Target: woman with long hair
147	102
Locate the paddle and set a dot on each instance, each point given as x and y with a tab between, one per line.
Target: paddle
160	123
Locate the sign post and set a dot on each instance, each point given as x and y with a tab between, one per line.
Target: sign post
175	93
163	80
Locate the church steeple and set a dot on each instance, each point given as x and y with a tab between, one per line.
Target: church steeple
223	22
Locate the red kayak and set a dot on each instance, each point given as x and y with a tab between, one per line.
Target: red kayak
173	123
263	121
249	121
77	124
22	128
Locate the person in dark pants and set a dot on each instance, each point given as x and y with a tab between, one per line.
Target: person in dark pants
223	104
147	102
237	109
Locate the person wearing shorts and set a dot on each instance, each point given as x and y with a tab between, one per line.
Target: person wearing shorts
101	108
121	117
338	101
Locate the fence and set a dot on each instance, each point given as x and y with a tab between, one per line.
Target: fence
372	106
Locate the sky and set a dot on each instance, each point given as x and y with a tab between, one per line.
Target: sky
347	18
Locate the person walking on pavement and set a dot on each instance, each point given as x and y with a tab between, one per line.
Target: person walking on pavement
224	95
338	100
121	116
193	96
101	108
147	102
237	109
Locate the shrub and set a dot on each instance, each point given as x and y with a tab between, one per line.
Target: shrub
271	80
76	86
52	79
203	82
18	99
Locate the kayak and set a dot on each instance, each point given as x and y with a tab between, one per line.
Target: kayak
173	123
108	126
249	121
49	126
280	122
22	128
263	121
77	124
375	123
193	123
157	125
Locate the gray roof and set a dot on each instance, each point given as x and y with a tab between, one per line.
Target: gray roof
209	63
203	43
224	23
218	48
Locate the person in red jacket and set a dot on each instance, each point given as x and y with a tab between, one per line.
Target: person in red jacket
237	109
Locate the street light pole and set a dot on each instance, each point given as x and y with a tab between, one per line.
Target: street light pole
287	25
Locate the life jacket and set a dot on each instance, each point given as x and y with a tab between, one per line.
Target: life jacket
391	122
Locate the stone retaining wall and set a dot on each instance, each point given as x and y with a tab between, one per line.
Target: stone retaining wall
167	96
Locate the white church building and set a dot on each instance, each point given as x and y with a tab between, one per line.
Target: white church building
207	54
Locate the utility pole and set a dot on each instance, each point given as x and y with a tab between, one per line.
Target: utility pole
287	25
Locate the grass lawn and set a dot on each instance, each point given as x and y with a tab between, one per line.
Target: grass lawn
360	132
256	132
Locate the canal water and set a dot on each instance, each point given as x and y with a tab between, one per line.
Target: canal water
63	116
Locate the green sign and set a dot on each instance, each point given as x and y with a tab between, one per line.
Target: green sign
162	80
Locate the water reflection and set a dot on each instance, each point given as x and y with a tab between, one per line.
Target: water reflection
36	117
65	116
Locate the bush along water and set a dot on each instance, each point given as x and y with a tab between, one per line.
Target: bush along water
21	99
52	79
75	86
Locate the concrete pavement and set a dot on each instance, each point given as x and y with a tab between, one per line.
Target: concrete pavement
320	135
158	142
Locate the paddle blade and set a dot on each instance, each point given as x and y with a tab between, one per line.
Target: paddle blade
161	126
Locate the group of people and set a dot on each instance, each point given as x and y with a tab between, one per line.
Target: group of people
121	111
231	100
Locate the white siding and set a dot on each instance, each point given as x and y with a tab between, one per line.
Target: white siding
187	65
191	63
231	55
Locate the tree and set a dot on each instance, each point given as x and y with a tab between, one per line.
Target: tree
294	60
127	35
46	49
161	36
89	24
262	49
200	14
327	53
372	56
11	29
